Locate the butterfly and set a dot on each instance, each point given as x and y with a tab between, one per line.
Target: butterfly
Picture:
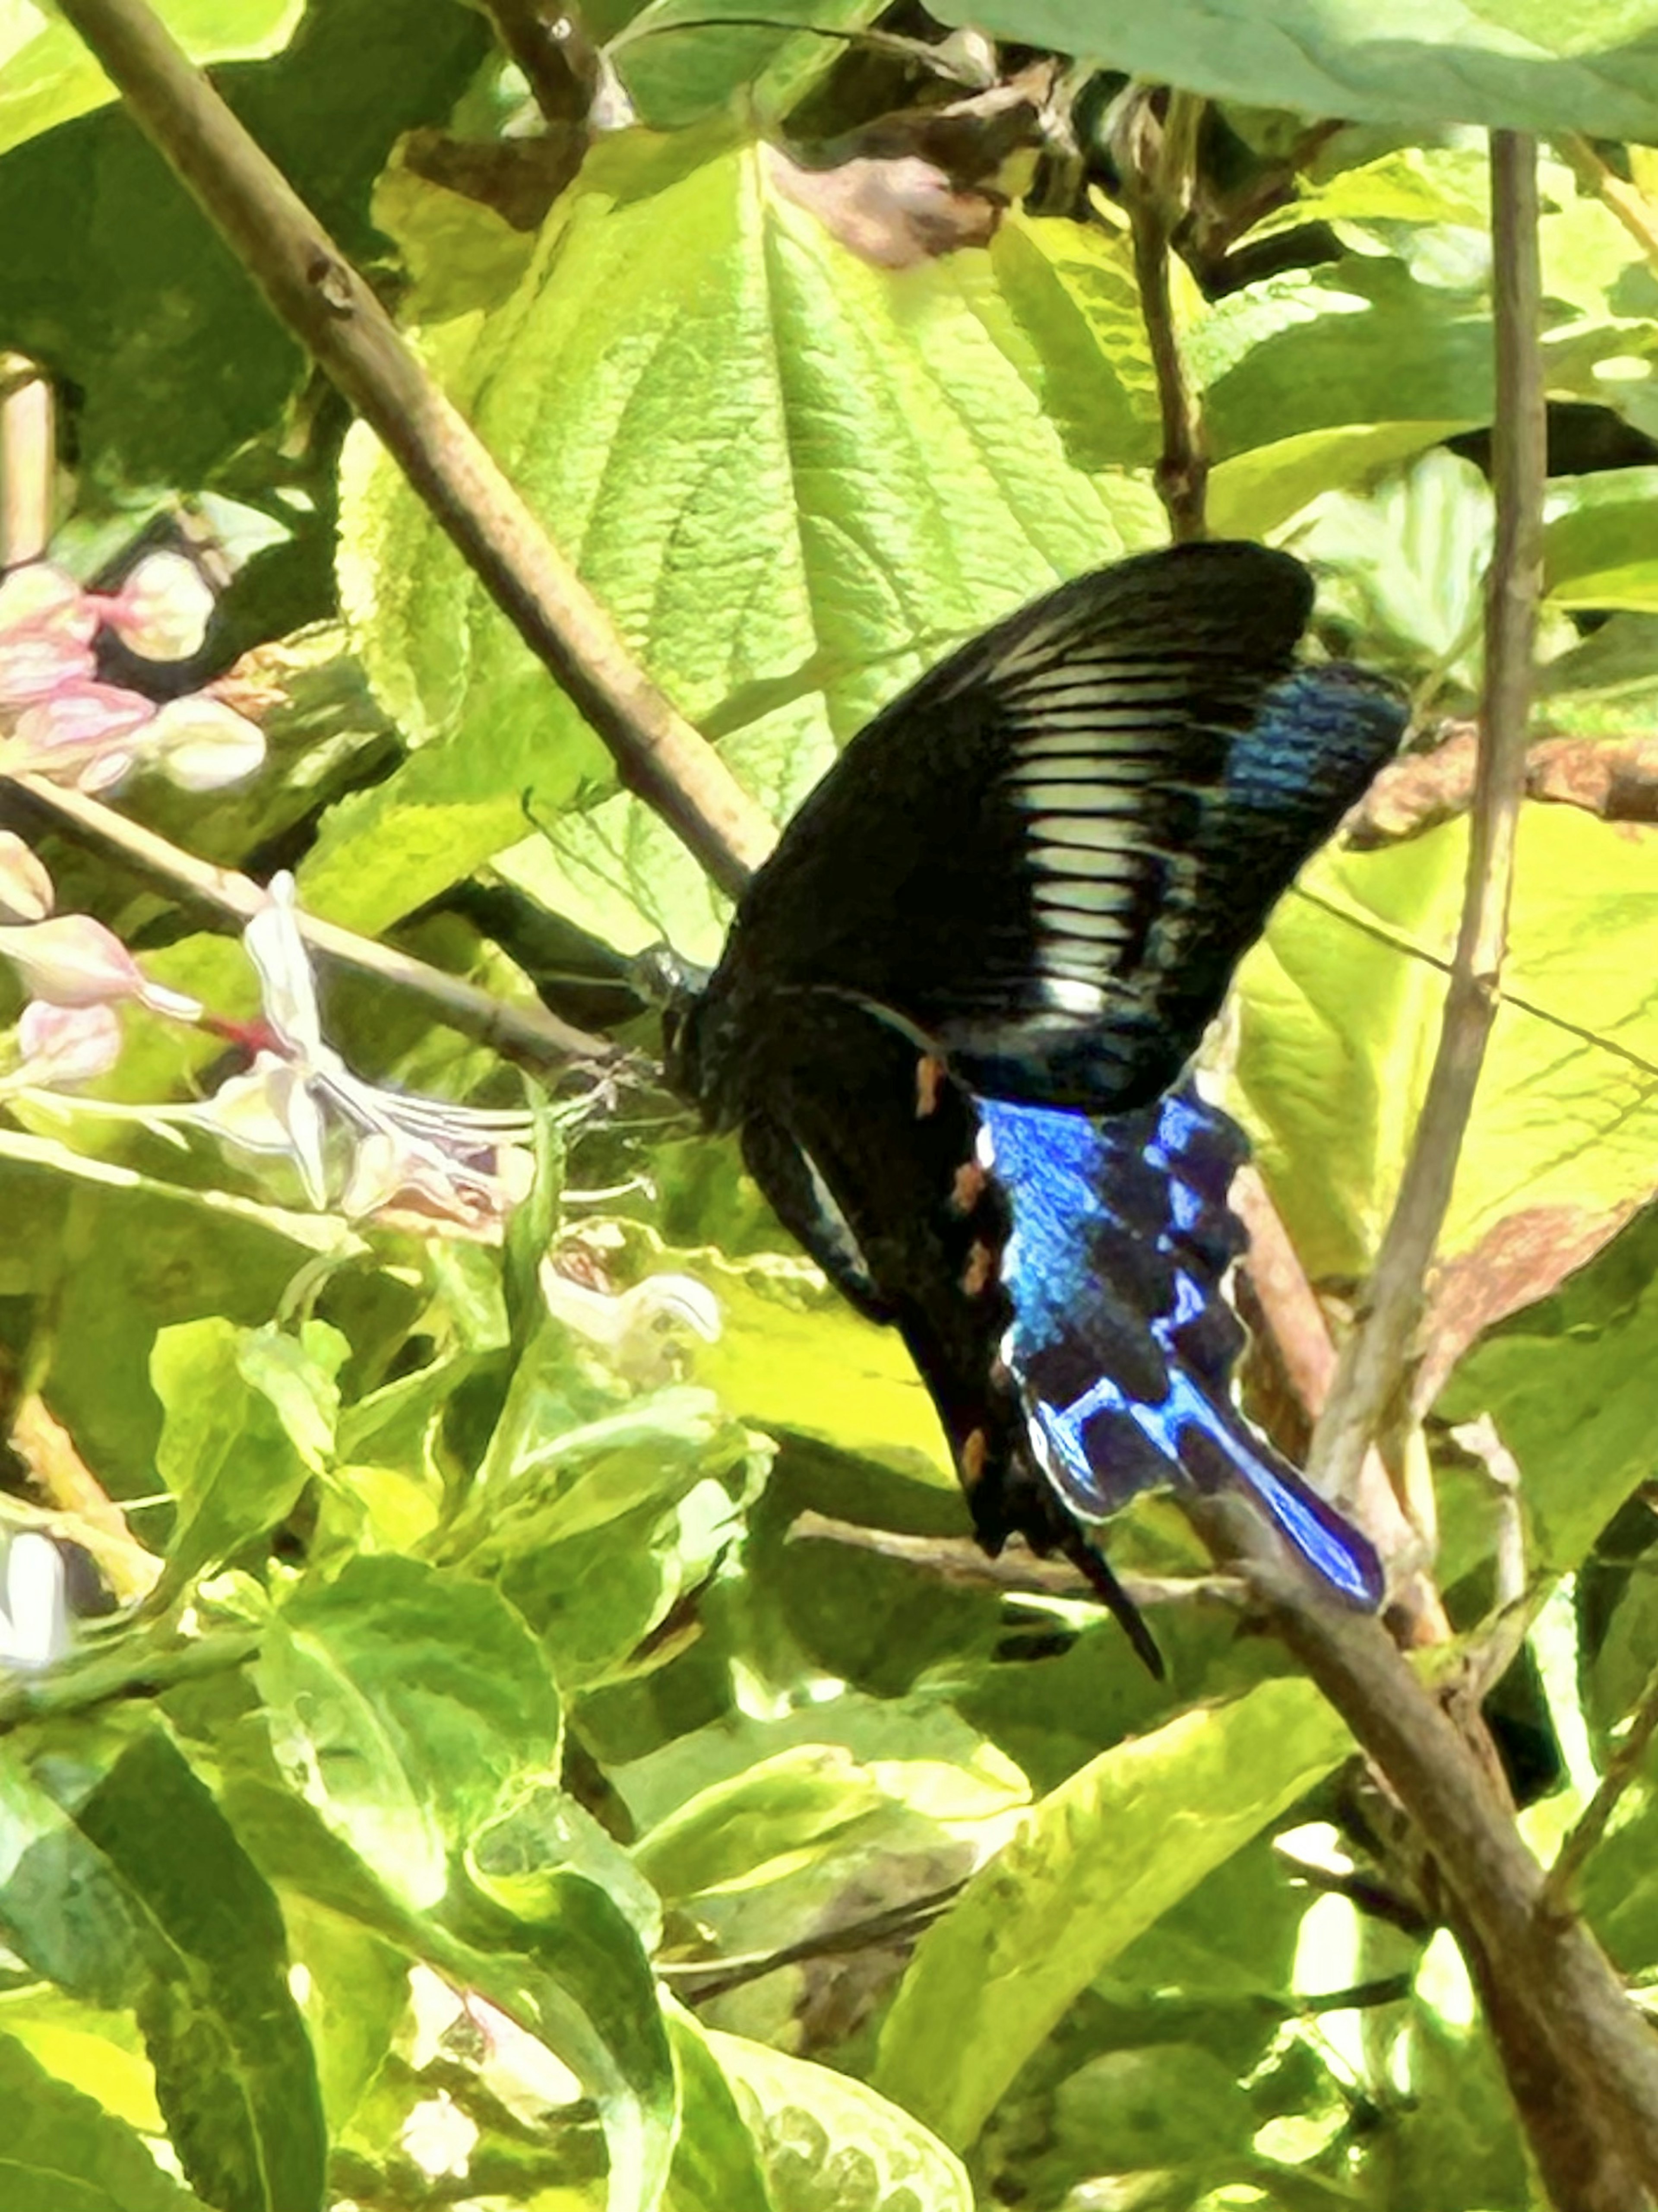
954	1011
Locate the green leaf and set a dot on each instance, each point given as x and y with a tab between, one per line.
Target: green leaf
716	2163
1090	1868
233	2068
831	2145
794	1803
680	62
1525	66
1568	1383
98	231
225	1453
1360	342
689	386
402	1702
97	2051
1603	552
61	2149
1339	1023
574	1976
47	75
1255	492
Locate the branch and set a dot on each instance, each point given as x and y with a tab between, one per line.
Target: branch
1156	162
337	318
1581	2061
1622	1768
529	1035
557	59
1016	1572
1370	1376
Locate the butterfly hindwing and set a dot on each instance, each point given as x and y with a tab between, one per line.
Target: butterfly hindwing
1123	1338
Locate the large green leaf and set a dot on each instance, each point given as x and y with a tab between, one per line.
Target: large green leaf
233	2068
1570	1385
404	1702
682	59
1090	1868
227	1452
791	477
1527	65
47	75
112	277
830	2145
61	2150
572	1973
1340	1021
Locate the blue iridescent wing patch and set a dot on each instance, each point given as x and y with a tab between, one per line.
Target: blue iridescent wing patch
1122	1340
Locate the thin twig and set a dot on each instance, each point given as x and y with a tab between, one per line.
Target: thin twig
103	1677
337	318
1370	1376
1624	200
1016	1571
1156	162
1565	2011
1621	1767
549	46
527	1034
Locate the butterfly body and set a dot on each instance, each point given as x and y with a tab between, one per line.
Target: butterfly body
950	1006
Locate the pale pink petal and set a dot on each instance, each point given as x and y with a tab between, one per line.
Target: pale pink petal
72	961
80	718
47	623
201	744
24	887
61	1045
162	610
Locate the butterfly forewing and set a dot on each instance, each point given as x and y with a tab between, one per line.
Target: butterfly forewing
1013	858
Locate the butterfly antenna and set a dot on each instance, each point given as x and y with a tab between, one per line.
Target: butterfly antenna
1123	1607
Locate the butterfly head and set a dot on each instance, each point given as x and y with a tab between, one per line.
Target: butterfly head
679	988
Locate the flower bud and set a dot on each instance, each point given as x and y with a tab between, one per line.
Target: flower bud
24	887
80	733
64	1045
74	961
162	610
201	744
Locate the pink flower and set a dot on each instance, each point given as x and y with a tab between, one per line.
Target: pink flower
47	624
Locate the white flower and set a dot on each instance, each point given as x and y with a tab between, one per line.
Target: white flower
439	2137
201	744
422	1160
637	1327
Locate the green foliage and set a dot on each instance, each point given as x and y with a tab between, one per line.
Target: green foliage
483	1781
1525	67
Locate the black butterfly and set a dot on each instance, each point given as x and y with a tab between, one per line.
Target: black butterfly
1023	888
